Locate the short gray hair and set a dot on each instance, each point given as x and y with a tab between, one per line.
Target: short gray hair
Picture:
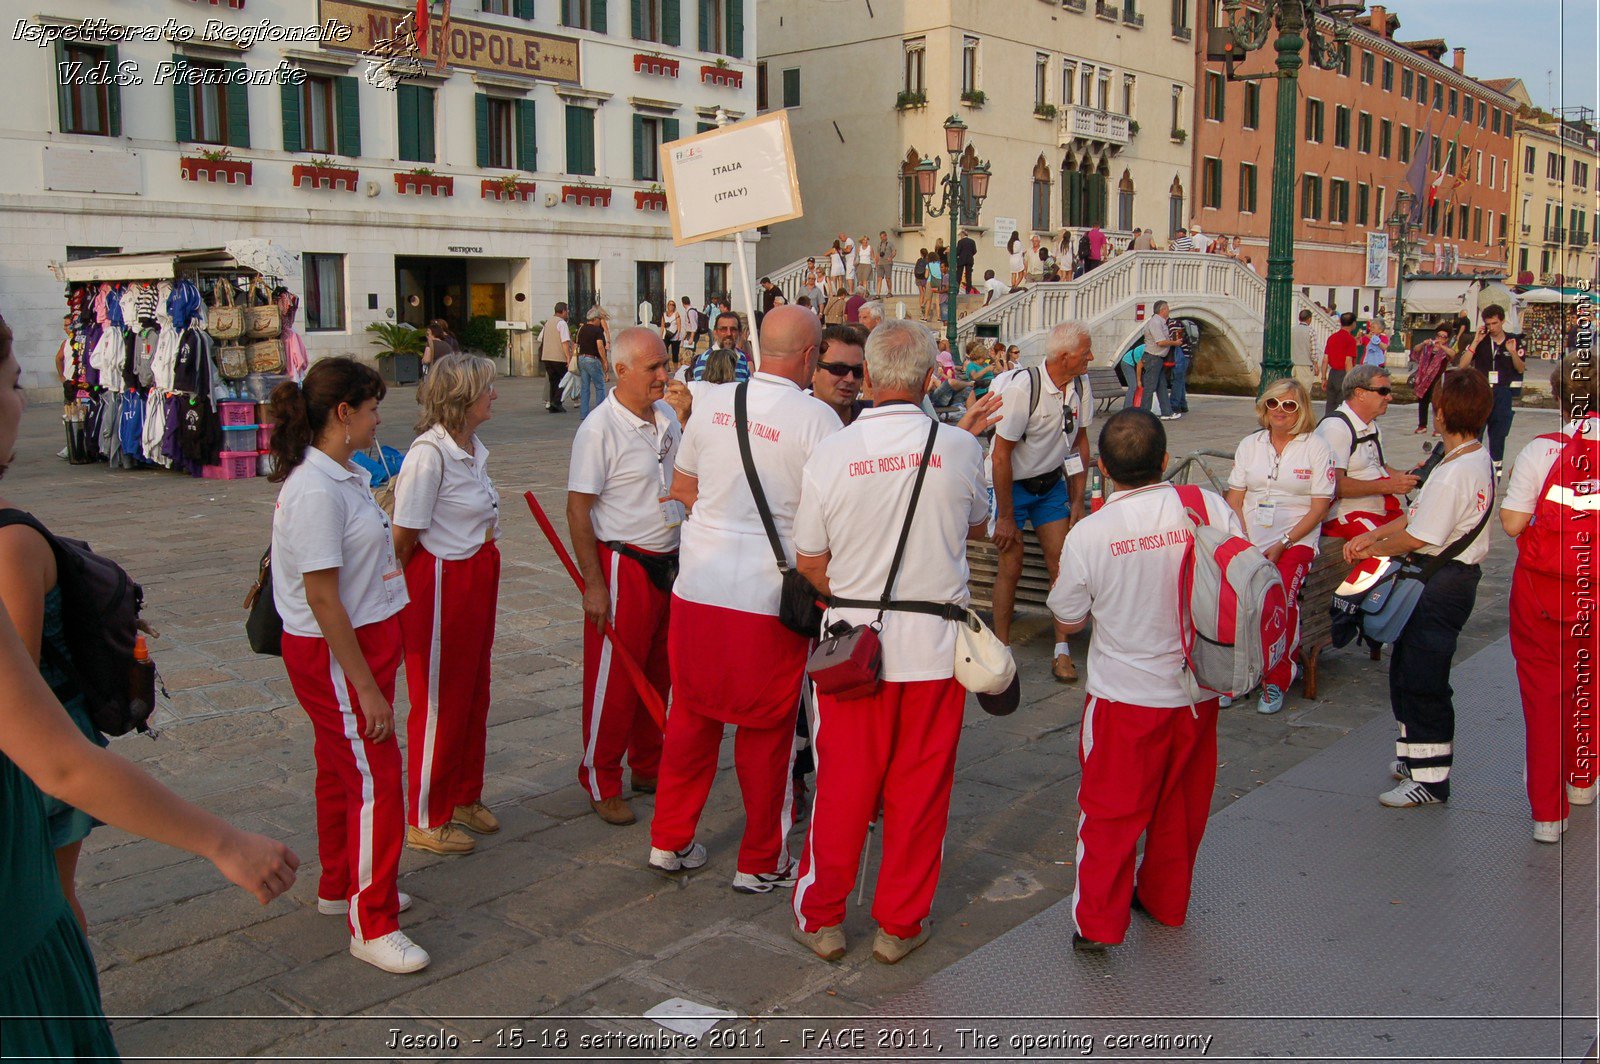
901	354
633	342
1065	337
874	308
1361	377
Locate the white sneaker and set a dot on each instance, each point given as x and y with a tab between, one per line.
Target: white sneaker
341	906
763	882
1225	701
1272	699
1407	795
1399	769
1548	830
1582	795
393	952
684	860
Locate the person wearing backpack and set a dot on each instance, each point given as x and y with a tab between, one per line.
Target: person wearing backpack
1148	750
1446	523
1368	489
339	590
1549	511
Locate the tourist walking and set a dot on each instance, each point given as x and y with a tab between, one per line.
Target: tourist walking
672	333
1339	354
1429	360
883	264
966	256
1159	339
1497	355
594	362
556	356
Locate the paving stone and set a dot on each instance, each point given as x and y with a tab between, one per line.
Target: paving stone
736	972
171	981
243	1022
194	920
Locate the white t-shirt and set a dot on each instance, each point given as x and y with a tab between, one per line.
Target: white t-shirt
726	558
1534	463
447	493
628	463
1278	488
997	287
1360	463
326	518
1121	565
856	492
1045	444
1454	499
864	254
563	331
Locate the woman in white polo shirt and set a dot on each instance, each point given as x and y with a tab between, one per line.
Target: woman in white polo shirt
446	521
1281	487
1450	514
339	590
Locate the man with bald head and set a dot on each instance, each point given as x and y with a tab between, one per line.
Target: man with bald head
625	539
733	661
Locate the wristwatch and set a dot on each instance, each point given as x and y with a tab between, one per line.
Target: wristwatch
1287	542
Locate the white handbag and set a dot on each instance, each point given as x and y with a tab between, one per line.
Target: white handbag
984	665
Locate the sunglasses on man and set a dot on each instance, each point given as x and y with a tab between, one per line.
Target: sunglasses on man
1385	390
839	369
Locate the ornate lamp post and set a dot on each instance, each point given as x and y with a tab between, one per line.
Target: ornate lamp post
1248	31
957	201
1400	225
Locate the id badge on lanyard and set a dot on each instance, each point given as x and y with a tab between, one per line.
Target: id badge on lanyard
672	511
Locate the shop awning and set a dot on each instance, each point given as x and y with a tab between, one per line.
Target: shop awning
142	265
1439	303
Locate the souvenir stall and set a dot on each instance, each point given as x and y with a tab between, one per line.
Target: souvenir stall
169	356
1546	316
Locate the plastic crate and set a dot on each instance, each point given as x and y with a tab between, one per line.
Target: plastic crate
264	437
236	413
237	439
233	466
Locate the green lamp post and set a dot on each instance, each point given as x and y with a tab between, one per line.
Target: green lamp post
1297	32
958	200
1400	224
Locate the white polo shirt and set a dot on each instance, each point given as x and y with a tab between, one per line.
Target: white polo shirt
326	518
726	559
854	500
447	494
1361	462
1456	496
628	463
1535	461
1278	488
1121	565
1043	444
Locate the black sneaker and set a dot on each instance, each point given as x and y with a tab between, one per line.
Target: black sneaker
1087	945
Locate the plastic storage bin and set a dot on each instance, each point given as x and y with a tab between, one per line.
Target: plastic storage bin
237	439
235	413
233	466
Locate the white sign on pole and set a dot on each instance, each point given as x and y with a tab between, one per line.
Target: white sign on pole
1377	260
1003	228
730	179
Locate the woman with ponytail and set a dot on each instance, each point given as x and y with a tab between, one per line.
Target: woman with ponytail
339	589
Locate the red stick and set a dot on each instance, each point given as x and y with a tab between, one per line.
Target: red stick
647	693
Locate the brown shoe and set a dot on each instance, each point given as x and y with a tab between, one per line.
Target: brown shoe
476	817
1063	669
887	949
614	810
827	942
643	785
447	840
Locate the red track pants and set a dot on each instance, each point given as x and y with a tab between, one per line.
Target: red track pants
615	721
898	746
1293	565
1147	772
448	629
360	807
1555	670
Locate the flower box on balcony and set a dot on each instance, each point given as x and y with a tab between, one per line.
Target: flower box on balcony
521	191
429	184
715	75
645	63
586	195
217	171
337	178
645	200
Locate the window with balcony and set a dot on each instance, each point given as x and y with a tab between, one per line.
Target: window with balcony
1339	201
1252	105
1363	194
1388	75
1385	138
1211	183
1041	80
1069	82
1314	121
1341	126
1368	63
969	65
1364	132
324	292
1247	188
911	82
1102	89
1311	197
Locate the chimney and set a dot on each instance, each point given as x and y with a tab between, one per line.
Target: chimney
1460	60
1379	20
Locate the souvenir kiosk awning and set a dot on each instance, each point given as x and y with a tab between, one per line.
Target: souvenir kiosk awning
143	265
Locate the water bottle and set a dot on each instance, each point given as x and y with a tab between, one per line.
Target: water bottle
141	682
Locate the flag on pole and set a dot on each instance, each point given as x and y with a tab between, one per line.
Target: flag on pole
1417	176
422	28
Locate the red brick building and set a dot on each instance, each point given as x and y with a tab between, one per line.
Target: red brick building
1358	127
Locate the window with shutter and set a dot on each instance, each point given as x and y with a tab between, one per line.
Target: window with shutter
648	136
527	137
182	125
414	104
290	95
647	20
86	107
480	127
671	23
349	102
208	103
238	108
734	44
580	140
502	133
791	87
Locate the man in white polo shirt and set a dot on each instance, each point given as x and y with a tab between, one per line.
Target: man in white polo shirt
733	661
624	531
1369	491
896	747
1040	459
1149	756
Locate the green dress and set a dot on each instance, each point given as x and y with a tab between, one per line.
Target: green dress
67	825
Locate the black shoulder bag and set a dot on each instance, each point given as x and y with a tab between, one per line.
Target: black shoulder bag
799	606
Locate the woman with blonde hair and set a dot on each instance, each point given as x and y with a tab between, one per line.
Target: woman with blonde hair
446	521
1281	487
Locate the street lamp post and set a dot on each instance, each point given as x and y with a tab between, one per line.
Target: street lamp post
952	201
1248	31
1400	225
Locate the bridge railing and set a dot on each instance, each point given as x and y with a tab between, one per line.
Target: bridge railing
792	280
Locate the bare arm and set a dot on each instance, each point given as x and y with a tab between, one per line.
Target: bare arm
1077	482
814	567
586	552
1005	524
27	572
405	543
685	488
1392	540
322	596
1514	522
1235	498
1348	487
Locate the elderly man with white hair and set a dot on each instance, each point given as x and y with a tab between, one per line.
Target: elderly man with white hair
871	314
625	538
1040	461
896	746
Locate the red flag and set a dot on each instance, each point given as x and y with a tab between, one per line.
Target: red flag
422	27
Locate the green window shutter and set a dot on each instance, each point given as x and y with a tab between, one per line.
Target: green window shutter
640	168
63	100
238	110
705	25
586	139
597	16
113	95
636	19
527	137
574	144
523	9
290	94
481	124
735	41
405	100
671	23
349	115
704	127
425	146
182	120
669	130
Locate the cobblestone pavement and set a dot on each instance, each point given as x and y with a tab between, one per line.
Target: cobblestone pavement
557	913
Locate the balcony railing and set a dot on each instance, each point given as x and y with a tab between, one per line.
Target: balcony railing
1132	18
1106	9
1087	123
1554	235
1182	33
1075	5
1577	239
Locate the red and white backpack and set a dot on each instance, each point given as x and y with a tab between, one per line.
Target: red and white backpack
1566	515
1233	615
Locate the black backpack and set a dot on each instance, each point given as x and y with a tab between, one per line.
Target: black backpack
100	607
1085	249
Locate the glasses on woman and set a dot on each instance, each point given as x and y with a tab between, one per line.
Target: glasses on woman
1288	406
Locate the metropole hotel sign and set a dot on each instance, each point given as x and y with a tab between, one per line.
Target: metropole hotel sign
476	45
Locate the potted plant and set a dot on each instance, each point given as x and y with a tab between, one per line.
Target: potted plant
1133	127
481	335
653	198
586	195
906	101
423	180
400	350
720	73
1044	110
508	187
216	166
655	63
1180	135
324	172
973	97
